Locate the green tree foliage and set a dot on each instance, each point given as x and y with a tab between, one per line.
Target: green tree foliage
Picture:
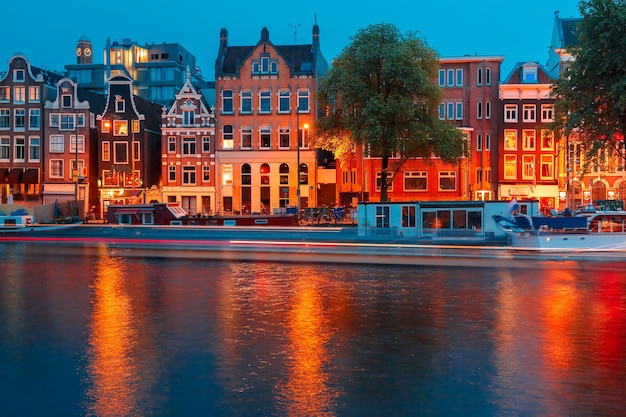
591	94
381	93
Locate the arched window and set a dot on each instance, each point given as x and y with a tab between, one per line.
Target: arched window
265	188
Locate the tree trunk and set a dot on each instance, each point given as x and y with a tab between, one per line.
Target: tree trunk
383	179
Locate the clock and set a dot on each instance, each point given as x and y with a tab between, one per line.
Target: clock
87	51
78	51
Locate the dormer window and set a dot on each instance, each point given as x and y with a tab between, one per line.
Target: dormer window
120	105
529	74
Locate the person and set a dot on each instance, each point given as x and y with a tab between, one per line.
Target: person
263	211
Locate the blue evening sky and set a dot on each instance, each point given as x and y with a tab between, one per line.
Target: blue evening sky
47	32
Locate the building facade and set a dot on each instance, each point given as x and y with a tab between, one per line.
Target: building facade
188	152
129	146
23	91
265	109
530	151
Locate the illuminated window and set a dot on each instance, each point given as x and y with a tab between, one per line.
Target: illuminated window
227	174
33	94
56	168
528	139
227	137
135	126
510	167
528	167
106	151
246	137
106	126
120	127
57	144
5	94
81	144
510	139
547	167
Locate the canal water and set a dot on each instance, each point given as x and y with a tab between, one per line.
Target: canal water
113	333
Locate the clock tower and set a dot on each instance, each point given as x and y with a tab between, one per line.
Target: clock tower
84	51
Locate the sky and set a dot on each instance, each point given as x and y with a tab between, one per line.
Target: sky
517	31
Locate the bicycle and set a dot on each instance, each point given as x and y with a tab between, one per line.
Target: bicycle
338	214
316	214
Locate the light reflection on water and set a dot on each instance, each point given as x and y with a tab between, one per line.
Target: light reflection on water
122	336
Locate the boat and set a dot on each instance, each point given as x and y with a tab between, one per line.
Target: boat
586	230
172	214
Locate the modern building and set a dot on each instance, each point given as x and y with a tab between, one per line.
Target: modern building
188	152
265	109
129	146
23	91
158	71
530	152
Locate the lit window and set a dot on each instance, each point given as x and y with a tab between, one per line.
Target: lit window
510	139
528	167
528	139
510	167
19	94
227	137
547	140
120	127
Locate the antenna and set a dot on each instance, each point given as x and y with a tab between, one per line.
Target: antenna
295	32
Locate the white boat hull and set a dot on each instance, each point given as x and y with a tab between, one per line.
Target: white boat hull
556	241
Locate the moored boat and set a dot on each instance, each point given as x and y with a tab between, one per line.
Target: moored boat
600	231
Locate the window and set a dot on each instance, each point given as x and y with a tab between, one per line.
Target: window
34	119
106	125
379	177
206	144
450	111
547	113
20	119
5	119
283	174
19	75
304	174
510	113
171	173
33	94
227	101
442	111
56	168
479	110
510	167
206	173
303	101
488	76
459	110
66	101
227	174
57	144
81	144
408	216
283	137
510	139
266	137
529	74
488	110
120	127
246	101
459	77
246	137
265	101
528	139
479	76
66	122
450	78
189	175
19	94
120	155
479	175
227	137
529	111
283	101
528	167
120	104
487	142
20	149
382	216
5	146
415	181
171	144
479	142
5	94
547	167
189	117
547	140
106	151
246	174
189	146
135	124
447	180
442	78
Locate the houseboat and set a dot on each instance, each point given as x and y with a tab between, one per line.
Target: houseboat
173	214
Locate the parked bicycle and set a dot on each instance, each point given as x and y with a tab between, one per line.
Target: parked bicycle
316	215
338	213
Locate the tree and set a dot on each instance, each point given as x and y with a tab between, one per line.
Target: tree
381	93
591	94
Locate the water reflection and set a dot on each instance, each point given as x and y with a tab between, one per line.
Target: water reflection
111	369
305	389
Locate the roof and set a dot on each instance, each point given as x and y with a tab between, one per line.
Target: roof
515	76
569	31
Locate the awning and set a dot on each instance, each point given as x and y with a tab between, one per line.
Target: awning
3	174
31	176
15	176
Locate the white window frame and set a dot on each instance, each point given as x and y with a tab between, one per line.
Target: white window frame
529	113
510	112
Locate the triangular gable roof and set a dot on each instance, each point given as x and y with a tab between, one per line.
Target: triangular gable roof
189	91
